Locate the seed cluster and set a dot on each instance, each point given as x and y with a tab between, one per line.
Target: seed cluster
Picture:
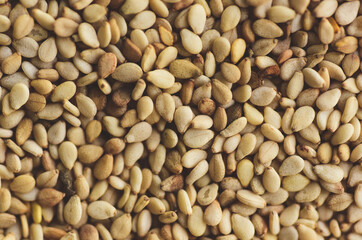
180	119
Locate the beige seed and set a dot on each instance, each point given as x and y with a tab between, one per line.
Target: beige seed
192	157
343	134
23	26
230	18
165	106
65	90
309	193
94	13
326	9
339	202
291	165
312	78
245	172
328	99
22	184
325	31
329	173
267	29
196	138
73	210
101	210
245	232
197	172
183	201
302	118
86	105
306	233
197	18
183	118
5	198
11	64
48	50
335	71
5	23
268	150
213	214
139	132
168	55
221	92
237	50
289	215
161	78
271	180
271	132
251	199
221	48
19	95
68	154
184	69
88	35
350	109
280	14
195	222
65	27
246	145
190	41
127	72
143	20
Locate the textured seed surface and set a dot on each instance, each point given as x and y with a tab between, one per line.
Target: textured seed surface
180	119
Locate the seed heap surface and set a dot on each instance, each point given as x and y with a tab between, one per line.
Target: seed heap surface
180	119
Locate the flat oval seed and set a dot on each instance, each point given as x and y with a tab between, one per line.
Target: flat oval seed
23	25
230	18
127	73
143	20
309	193
139	132
63	91
73	210
196	138
268	151
251	199
22	184
343	134
88	35
328	99
245	232
262	96
4	23
184	69
197	18
101	210
302	118
122	226
329	173
267	29
48	50
68	154
271	180
280	14
161	78
347	12
291	166
190	41
195	222
19	95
